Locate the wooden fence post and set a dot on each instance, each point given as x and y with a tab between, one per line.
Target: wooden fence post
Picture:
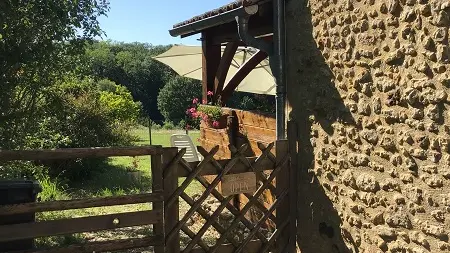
157	186
171	213
282	185
293	187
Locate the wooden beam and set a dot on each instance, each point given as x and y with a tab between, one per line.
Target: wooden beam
224	66
209	169
71	153
210	63
242	72
60	205
78	225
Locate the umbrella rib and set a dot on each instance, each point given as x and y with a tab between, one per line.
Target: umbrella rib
174	55
192	71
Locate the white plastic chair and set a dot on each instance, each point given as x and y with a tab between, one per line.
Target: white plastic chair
184	141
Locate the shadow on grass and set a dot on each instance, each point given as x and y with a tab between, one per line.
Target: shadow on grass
110	180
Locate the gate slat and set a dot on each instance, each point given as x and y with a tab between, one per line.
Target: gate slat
202	198
79	203
277	203
250	203
206	216
230	207
72	153
78	225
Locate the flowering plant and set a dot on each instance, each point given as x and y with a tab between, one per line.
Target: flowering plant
208	113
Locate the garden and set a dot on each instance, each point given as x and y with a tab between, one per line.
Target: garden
65	89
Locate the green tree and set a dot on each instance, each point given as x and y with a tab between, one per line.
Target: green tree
37	38
132	65
176	96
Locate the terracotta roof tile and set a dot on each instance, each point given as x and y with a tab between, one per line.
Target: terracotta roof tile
218	11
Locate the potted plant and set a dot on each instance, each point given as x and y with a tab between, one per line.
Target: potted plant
134	174
209	114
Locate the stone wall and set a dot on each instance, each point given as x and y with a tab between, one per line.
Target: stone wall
369	89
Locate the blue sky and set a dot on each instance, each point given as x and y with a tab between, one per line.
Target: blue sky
149	20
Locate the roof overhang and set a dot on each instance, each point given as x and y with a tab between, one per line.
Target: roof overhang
260	22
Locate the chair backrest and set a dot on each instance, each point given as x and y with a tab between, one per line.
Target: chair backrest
184	141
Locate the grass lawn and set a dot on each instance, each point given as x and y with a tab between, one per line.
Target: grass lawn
114	181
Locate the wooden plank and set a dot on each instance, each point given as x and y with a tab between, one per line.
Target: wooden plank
224	66
282	186
123	244
251	247
252	118
222	152
256	119
258	133
210	62
171	214
79	203
78	225
209	169
157	186
71	153
218	136
241	73
293	185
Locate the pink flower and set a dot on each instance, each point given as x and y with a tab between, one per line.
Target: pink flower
192	110
205	117
195	101
194	115
204	101
215	123
210	93
188	111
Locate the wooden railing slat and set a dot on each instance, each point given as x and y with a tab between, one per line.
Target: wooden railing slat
209	169
123	244
71	153
80	203
78	225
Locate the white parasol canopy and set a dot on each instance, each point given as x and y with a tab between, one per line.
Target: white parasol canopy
187	61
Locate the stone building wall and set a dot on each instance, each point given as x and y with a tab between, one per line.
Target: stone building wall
369	89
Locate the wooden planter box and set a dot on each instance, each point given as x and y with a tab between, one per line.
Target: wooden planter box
250	128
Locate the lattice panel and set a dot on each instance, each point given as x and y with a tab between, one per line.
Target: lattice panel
211	220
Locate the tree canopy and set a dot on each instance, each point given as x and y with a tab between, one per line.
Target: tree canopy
131	65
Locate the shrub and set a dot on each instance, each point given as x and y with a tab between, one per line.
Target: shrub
82	116
176	96
168	125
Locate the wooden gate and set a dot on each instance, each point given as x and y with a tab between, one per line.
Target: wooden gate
74	225
237	234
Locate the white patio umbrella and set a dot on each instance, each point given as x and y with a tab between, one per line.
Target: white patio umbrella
187	61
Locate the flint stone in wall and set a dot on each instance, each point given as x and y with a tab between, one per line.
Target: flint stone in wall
433	230
367	183
399	219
